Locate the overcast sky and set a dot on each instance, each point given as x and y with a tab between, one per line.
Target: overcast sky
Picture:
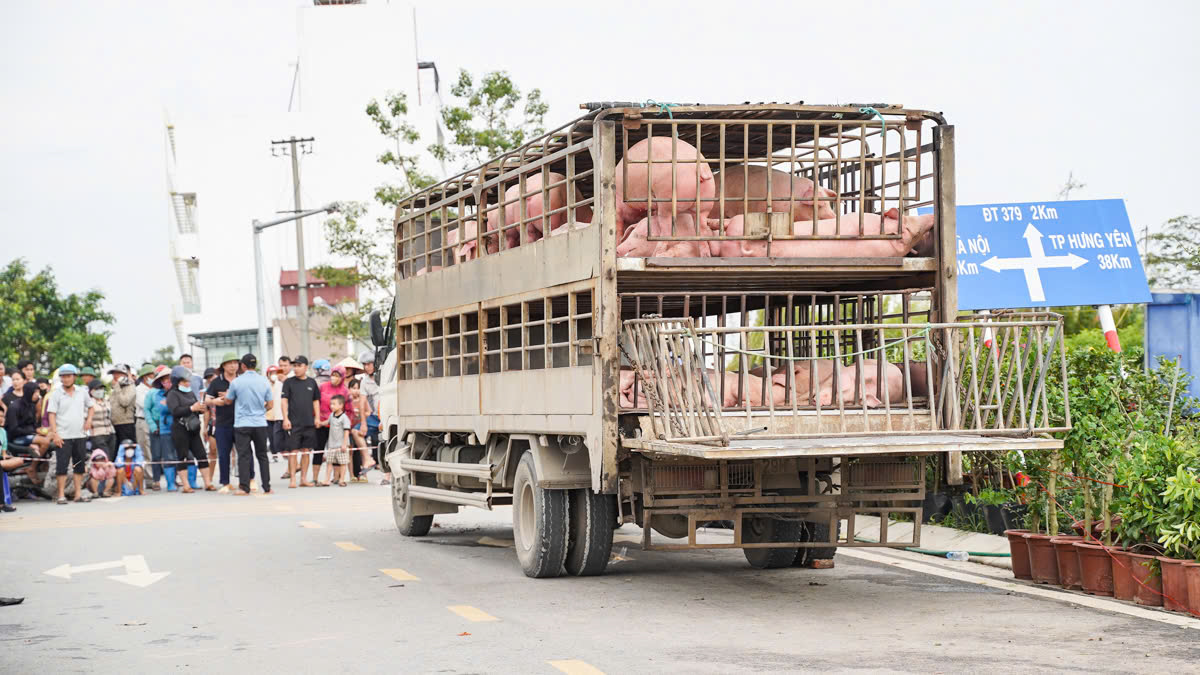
1036	90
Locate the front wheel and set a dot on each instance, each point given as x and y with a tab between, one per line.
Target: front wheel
402	509
540	527
756	530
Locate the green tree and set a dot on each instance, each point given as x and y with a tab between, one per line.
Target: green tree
487	119
1172	255
163	356
38	323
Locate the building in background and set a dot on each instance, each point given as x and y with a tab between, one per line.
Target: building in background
347	54
324	301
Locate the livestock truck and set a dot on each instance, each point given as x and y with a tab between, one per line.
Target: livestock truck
675	315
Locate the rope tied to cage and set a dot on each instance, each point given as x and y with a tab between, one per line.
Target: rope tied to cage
868	110
662	107
780	357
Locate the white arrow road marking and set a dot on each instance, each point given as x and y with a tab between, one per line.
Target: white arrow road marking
65	571
137	572
1037	260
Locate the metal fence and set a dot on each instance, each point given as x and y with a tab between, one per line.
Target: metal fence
999	375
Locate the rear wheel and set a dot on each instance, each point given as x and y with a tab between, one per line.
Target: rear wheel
759	530
817	557
408	524
591	532
540	528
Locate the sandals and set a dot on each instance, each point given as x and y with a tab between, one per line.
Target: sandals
210	488
82	500
324	484
308	484
342	483
186	490
62	500
385	481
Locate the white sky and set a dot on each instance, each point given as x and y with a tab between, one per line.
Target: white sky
1035	90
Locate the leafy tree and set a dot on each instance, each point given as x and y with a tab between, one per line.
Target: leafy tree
163	356
490	118
1172	255
38	323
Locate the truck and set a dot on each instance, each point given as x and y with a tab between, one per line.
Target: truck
602	328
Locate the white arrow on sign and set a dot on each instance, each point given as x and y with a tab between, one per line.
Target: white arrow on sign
137	572
1037	260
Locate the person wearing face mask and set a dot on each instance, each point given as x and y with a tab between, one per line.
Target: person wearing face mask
274	415
121	401
103	435
187	411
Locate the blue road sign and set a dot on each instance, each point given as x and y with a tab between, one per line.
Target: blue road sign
1040	254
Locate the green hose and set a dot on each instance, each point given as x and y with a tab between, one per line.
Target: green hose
942	554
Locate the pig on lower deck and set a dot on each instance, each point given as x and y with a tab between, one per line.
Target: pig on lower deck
650	161
741	184
910	228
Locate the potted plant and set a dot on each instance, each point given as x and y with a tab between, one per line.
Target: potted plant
989	502
1179	528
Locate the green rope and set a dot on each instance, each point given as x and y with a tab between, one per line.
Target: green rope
662	107
868	110
761	355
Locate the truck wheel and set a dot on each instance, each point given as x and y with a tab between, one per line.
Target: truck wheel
819	558
758	530
591	532
408	524
539	523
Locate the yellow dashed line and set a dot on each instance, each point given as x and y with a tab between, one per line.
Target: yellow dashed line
576	667
311	525
471	613
348	546
399	574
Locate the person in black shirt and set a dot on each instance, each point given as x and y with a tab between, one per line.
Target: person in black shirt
186	410
301	400
222	415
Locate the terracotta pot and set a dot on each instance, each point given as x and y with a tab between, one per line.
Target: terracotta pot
1192	572
1068	562
1147	579
1095	568
1019	547
1124	587
1174	584
1043	562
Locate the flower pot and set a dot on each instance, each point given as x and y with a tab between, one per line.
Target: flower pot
1191	571
935	505
962	510
994	516
1068	562
1095	568
1144	569
1019	547
1014	515
1174	584
1124	587
1043	562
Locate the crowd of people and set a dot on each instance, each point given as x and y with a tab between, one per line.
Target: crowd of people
168	428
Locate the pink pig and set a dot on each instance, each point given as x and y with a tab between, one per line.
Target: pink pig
911	230
535	207
802	386
652	157
751	181
636	245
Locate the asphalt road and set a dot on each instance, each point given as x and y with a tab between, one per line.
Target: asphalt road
318	580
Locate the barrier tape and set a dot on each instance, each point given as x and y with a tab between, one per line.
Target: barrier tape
192	461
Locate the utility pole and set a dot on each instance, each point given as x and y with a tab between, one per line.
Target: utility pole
302	271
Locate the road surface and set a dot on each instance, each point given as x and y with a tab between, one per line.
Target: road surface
318	580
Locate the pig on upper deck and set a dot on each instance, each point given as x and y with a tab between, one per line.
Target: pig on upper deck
651	160
788	192
910	229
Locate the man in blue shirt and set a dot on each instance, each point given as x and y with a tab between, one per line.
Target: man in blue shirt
252	398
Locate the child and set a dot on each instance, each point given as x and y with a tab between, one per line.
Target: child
337	448
130	466
101	474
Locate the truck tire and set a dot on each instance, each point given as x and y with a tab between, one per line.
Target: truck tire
591	532
757	530
821	558
408	524
539	523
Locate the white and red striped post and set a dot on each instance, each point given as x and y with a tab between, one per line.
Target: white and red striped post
1109	327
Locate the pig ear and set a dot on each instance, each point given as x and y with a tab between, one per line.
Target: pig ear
892	214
